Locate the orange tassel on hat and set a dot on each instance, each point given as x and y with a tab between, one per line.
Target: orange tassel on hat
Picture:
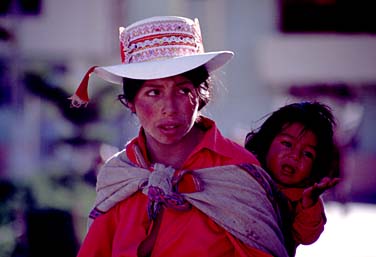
81	96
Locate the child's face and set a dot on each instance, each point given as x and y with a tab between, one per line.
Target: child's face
291	155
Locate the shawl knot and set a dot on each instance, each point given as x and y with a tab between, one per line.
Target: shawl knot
161	191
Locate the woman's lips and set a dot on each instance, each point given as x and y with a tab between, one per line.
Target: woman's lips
169	127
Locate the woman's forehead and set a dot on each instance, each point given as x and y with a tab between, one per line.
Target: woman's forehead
178	79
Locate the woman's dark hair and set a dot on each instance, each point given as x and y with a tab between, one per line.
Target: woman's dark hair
199	77
315	117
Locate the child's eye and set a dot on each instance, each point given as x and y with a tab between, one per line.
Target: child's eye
286	143
309	154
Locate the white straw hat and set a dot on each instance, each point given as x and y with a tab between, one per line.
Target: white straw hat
154	48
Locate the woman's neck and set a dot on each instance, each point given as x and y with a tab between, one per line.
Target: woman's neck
174	155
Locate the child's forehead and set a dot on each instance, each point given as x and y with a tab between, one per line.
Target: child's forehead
297	129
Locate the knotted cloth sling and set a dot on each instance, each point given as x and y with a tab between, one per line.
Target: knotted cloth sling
252	216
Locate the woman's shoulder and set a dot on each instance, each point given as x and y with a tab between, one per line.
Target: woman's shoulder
238	152
215	141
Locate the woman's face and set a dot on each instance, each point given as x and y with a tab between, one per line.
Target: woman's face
291	155
166	108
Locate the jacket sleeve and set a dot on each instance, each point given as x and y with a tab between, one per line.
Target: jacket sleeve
99	238
308	223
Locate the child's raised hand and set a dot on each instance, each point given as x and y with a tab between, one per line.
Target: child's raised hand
312	194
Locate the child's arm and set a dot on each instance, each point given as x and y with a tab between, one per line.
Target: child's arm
309	219
312	194
308	223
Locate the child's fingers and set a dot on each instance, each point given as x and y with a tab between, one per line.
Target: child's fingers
335	181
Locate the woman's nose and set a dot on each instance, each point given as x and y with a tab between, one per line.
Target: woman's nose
169	104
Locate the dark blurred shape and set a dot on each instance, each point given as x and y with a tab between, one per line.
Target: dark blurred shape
5	6
340	16
5	34
77	141
12	199
7	190
5	83
337	91
30	7
79	116
20	7
49	232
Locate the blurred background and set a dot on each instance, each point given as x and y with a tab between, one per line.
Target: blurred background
285	51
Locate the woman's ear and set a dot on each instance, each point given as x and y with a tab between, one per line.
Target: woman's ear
131	107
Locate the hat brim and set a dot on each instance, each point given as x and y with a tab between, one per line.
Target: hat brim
163	68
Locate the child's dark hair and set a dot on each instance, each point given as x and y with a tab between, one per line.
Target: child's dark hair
199	77
315	117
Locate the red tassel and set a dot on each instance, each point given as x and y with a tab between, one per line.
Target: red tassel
122	35
122	54
81	96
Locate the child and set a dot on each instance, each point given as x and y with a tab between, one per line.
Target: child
295	146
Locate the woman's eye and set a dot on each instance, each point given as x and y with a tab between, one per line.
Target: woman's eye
152	92
185	91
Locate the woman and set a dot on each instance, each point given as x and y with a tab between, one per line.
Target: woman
179	188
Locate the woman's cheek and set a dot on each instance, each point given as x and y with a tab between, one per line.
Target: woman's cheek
146	109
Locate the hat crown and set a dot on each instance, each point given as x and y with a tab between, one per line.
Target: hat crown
160	37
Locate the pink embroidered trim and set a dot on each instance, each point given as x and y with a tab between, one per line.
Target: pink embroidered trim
159	40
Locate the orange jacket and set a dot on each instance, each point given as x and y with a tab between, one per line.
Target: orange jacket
182	233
